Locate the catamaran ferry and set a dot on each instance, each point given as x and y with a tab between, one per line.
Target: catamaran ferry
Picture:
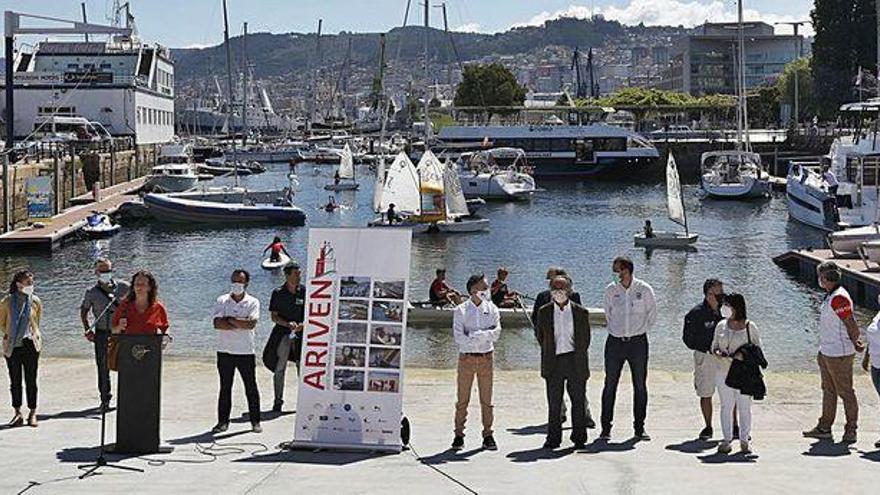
562	151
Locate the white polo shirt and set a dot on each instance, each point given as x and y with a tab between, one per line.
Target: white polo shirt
872	335
563	328
834	340
238	341
630	312
476	328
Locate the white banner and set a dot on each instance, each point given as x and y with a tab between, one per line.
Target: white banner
351	371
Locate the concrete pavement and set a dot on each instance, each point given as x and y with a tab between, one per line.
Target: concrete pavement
44	460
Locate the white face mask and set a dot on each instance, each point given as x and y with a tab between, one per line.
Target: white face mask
105	277
485	295
726	312
27	290
237	289
559	296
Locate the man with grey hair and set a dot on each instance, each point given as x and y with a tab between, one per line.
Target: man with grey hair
101	300
839	340
564	333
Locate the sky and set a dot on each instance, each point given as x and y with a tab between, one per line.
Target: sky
196	23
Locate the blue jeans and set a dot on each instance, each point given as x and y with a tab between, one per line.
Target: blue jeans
875	377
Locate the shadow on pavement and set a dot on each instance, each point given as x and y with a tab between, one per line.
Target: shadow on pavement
737	458
450	455
695	446
599	446
529	430
871	456
88	454
311	456
206	437
827	448
539	454
90	413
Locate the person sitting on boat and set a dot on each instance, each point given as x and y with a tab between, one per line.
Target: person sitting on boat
277	248
336	178
391	215
502	296
441	293
830	180
649	230
331	205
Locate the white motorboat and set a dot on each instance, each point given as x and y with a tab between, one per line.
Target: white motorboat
677	213
99	225
343	179
809	199
848	241
737	173
174	171
733	174
481	176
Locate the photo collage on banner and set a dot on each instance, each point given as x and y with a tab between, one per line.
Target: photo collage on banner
351	370
369	334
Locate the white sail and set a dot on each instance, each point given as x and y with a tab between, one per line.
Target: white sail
430	171
674	202
401	187
380	185
346	163
456	205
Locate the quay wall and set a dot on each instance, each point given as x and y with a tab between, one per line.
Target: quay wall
72	175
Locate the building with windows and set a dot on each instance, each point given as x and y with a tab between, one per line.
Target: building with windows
124	84
704	61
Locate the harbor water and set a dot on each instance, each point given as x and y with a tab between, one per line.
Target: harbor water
580	226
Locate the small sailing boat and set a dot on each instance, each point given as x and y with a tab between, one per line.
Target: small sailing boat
675	208
458	216
343	180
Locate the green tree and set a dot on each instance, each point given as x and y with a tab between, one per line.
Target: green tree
764	106
490	88
807	105
845	40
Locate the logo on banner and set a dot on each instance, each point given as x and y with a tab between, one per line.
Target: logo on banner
320	319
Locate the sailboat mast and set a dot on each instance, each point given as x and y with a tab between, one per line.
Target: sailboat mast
427	36
229	88
244	88
741	64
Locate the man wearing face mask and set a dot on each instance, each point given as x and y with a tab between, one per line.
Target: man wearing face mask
476	326
564	333
235	318
699	330
630	311
101	300
839	341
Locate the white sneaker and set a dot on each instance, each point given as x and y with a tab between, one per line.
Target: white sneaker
724	447
744	447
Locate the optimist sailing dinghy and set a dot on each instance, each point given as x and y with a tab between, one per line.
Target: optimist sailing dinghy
675	208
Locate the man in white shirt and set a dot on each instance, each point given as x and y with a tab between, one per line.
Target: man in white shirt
564	334
476	326
235	318
631	311
839	341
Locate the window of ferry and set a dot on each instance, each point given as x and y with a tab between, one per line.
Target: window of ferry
561	145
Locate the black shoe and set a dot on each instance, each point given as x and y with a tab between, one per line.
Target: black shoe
256	428
736	432
551	445
706	433
458	442
579	445
276	408
489	443
641	436
591	425
606	434
220	428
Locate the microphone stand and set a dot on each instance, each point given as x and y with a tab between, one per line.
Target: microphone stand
101	460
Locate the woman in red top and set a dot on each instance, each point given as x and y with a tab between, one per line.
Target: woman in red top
141	313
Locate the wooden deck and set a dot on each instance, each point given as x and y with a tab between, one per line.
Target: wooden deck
68	222
860	277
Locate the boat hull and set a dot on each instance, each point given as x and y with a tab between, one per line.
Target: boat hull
808	204
342	187
751	188
168	183
849	241
669	240
176	210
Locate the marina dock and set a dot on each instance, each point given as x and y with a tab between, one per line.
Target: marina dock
57	229
861	278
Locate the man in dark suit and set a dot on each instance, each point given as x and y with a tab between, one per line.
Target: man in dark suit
564	332
543	298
